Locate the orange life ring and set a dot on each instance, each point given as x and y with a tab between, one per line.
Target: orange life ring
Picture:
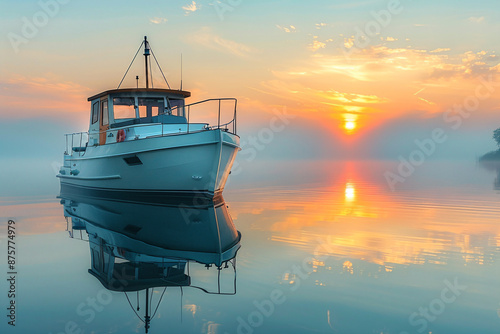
120	136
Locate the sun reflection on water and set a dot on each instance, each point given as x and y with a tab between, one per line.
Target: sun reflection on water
357	218
350	192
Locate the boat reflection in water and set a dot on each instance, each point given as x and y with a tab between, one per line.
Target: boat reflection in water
141	246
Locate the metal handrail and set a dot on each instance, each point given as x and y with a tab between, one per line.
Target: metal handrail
221	125
225	126
218	113
70	148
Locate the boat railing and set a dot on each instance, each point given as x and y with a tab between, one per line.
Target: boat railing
229	126
76	143
225	126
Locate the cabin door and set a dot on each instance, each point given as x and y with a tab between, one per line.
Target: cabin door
104	122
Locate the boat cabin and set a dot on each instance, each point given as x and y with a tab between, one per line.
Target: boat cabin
125	109
119	269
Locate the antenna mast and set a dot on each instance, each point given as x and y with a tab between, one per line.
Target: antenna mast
147	318
146	54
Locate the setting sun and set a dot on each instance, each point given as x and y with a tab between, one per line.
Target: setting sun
349	125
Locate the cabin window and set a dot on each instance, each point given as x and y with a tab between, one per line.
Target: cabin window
123	107
143	111
106	257
95	112
177	107
95	260
105	115
149	107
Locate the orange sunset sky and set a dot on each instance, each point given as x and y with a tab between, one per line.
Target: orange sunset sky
359	79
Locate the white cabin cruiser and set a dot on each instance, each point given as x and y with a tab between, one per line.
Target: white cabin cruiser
141	140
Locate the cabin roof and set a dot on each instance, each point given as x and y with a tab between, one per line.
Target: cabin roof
128	285
141	90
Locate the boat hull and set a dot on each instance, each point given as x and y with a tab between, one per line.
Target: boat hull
191	163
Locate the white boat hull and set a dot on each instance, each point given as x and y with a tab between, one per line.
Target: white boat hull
188	163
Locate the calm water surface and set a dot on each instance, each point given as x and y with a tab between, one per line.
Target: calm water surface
326	248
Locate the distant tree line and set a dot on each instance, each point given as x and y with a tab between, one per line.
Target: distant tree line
492	159
496	136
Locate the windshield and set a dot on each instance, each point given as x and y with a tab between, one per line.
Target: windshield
177	107
123	107
149	107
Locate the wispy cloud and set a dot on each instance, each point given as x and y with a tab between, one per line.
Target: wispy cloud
421	98
430	65
191	8
475	19
288	29
32	96
158	20
352	97
207	38
366	84
439	50
316	100
320	25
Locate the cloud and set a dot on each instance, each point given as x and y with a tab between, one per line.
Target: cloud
24	97
475	19
191	8
158	20
349	42
287	29
320	25
371	62
466	65
439	50
318	101
357	98
380	82
207	38
421	98
316	45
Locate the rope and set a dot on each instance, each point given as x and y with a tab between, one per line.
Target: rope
138	316
159	302
151	71
131	64
159	66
